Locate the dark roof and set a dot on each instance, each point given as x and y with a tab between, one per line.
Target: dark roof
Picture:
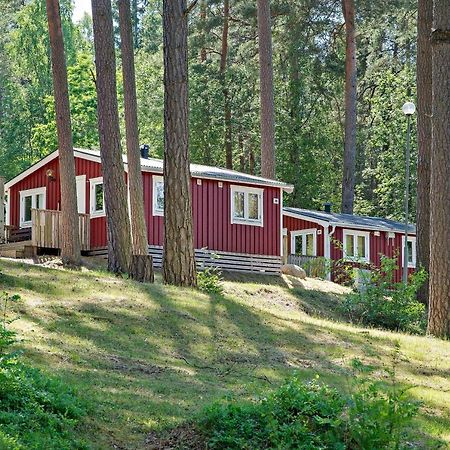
351	221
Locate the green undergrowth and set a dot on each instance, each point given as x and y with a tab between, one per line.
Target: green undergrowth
148	358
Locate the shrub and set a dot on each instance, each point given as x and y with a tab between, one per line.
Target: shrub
36	411
311	415
386	304
209	280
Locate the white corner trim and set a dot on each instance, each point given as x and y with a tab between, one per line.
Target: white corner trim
94	213
155	211
281	224
245	220
355	233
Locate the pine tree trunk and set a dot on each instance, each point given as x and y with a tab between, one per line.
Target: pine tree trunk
348	178
70	235
439	303
114	188
179	259
135	185
267	120
424	102
203	30
225	91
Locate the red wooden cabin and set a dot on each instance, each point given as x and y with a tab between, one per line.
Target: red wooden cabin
237	216
358	240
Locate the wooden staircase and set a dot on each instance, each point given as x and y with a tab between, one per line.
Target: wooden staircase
22	249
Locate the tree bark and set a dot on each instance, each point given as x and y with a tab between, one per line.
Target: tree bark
348	178
203	30
267	115
424	105
135	185
226	94
439	304
141	268
179	258
2	210
114	188
70	235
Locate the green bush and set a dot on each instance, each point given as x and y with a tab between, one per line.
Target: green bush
311	415
36	411
209	280
386	304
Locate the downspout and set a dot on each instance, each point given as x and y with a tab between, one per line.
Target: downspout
327	250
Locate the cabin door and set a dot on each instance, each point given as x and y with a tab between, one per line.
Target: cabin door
81	194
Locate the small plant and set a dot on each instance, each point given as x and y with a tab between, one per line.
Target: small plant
7	337
386	304
209	280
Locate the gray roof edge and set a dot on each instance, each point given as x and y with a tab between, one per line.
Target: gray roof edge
372	223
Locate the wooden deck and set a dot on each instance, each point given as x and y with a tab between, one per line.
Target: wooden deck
46	229
23	249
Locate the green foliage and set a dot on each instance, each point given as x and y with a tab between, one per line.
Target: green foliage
386	304
312	415
36	411
209	280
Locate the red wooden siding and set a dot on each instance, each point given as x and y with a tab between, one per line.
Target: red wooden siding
294	224
211	212
378	245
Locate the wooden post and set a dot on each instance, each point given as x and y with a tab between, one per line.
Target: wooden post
2	209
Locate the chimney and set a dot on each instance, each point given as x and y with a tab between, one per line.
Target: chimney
327	207
145	148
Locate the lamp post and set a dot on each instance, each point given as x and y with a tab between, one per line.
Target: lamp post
408	109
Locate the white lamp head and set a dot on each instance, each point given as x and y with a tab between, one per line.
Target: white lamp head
409	108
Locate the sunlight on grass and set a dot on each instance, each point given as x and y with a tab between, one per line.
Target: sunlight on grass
148	357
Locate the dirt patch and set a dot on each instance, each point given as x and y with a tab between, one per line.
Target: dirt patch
185	436
134	365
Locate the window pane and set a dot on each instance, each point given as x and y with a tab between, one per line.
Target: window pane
362	246
299	245
28	205
159	186
349	246
239	205
253	206
99	197
410	250
39	201
310	244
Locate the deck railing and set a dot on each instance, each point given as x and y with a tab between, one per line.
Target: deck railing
46	229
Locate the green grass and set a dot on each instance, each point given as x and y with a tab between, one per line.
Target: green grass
148	357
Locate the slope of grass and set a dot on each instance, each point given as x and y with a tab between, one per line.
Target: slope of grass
148	357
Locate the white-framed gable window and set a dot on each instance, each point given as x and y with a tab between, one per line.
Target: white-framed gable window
31	199
158	195
356	245
304	242
247	205
412	251
96	197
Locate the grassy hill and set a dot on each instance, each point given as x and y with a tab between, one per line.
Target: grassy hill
148	357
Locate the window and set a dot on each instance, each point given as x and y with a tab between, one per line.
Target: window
412	258
247	205
31	199
158	196
97	199
304	242
356	245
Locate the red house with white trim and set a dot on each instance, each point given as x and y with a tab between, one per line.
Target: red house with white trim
237	217
359	240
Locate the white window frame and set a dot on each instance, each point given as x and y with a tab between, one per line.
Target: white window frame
94	212
33	193
245	220
156	211
355	234
411	265
297	233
